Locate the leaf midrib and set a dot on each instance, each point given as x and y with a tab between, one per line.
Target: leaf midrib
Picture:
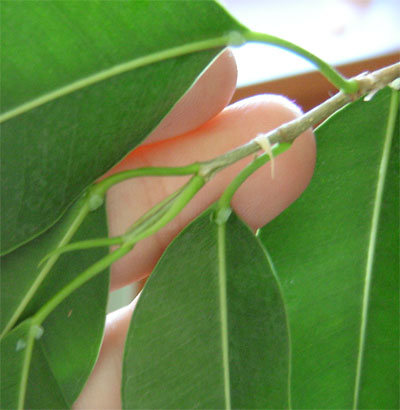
223	312
393	105
25	368
114	71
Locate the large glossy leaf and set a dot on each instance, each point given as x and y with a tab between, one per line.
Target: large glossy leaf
209	330
61	130
64	356
336	251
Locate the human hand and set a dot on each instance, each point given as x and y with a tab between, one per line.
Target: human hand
198	128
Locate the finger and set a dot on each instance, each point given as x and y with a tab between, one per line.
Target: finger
259	200
209	95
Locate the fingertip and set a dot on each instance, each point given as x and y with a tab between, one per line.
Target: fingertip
210	94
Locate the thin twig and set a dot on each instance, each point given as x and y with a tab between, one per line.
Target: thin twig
368	84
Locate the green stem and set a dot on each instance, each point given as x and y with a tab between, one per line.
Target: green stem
103	186
189	191
30	341
155	213
343	84
82	212
230	39
143	223
88	274
186	195
88	244
223	204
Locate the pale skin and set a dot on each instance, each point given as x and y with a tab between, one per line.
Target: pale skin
200	127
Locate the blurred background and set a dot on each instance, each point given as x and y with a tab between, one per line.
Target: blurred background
353	35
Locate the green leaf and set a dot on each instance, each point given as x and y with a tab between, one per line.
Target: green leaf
209	330
336	252
72	103
64	356
16	349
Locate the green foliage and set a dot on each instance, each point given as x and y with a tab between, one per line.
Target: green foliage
67	134
210	328
66	118
336	252
83	83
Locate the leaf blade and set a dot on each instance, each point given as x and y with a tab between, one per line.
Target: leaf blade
322	264
382	353
175	349
61	144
